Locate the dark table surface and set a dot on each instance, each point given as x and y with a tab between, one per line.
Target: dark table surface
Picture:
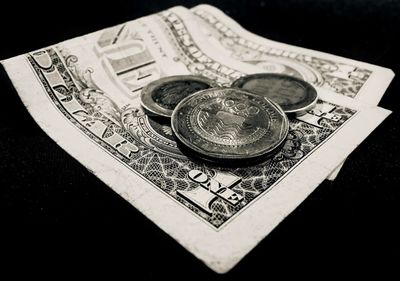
51	207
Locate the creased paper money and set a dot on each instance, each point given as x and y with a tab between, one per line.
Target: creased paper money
334	74
84	95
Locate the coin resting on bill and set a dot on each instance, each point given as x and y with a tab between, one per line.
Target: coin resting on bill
229	123
215	124
294	95
160	97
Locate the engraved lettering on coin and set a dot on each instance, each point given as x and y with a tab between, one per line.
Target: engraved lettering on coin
229	123
292	94
232	123
160	97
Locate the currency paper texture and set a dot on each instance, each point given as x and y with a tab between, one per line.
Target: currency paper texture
334	74
84	95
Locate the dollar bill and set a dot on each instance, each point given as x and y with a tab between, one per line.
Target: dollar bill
337	75
84	93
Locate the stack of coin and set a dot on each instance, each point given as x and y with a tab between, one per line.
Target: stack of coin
241	124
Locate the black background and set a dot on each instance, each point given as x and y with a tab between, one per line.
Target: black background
54	214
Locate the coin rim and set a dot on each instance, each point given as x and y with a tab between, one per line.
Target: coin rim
310	89
147	101
216	156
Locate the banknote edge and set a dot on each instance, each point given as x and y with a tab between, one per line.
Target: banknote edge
381	75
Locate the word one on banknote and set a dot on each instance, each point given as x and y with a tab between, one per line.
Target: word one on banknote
212	132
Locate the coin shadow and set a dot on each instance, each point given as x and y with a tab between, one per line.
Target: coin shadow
225	163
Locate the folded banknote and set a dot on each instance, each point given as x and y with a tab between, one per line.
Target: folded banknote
84	93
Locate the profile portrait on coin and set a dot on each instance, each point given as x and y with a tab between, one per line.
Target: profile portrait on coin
229	124
294	95
160	97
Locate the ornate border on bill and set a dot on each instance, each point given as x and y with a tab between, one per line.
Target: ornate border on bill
333	73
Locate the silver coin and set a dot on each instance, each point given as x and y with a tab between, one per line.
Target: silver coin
229	123
294	95
160	97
